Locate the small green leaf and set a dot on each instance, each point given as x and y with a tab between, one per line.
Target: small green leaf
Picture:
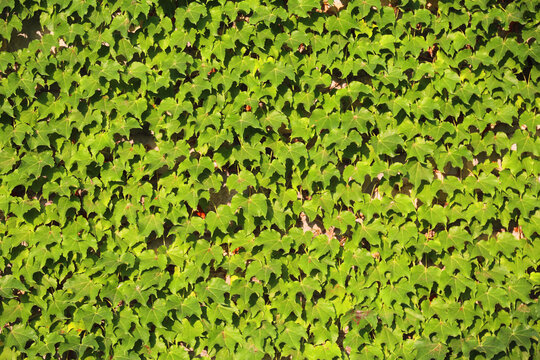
292	335
194	12
276	73
387	142
19	336
257	205
302	7
214	289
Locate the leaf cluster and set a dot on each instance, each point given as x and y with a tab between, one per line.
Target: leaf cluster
267	179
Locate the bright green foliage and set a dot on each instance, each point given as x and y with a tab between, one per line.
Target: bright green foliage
269	179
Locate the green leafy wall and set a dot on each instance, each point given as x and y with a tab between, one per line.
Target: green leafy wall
258	180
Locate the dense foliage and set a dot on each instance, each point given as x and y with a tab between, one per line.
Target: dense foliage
249	180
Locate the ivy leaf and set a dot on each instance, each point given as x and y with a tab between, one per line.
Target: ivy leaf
420	149
154	314
194	12
387	142
221	218
16	310
241	122
433	214
260	332
506	243
274	119
151	222
19	336
7	160
455	237
418	172
257	205
248	180
33	163
301	7
241	181
308	286
110	70
245	289
357	120
263	271
90	315
323	311
88	86
276	73
292	334
492	297
448	81
189	307
215	289
231	336
81	286
428	350
138	70
491	346
425	107
519	290
521	335
342	23
442	328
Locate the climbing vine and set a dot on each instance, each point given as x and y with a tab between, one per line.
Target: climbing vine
269	179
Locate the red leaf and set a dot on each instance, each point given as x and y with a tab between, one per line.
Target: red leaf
199	212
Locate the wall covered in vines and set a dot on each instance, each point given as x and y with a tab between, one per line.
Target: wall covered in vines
269	179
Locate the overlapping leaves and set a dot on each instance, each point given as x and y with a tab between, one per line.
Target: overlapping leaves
269	179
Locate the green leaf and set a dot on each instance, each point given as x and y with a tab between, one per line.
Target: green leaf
7	160
443	329
15	310
214	289
19	336
428	350
521	335
433	214
137	70
190	306
418	173
88	86
149	223
449	80
297	179
302	7
323	311
292	334
491	346
154	314
263	271
81	286
274	119
257	205
221	218
33	163
194	12
493	297
342	23
241	122
276	73
387	142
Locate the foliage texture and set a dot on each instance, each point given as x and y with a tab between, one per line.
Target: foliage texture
266	179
